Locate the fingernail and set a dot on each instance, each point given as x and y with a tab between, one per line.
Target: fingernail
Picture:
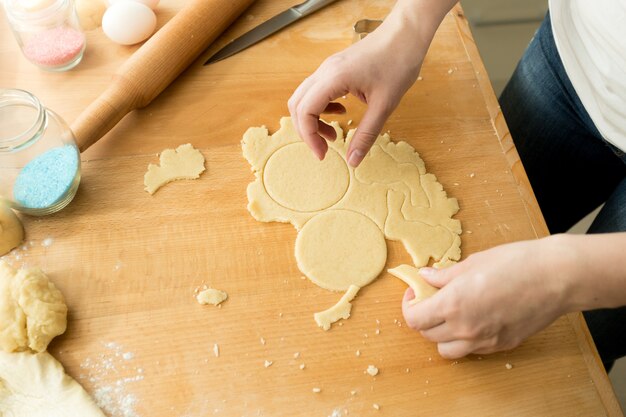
355	158
427	272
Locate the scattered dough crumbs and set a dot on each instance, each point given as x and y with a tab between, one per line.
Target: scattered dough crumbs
267	364
341	310
211	296
358	353
411	276
296	355
183	163
508	366
372	370
216	350
376	406
302	366
317	390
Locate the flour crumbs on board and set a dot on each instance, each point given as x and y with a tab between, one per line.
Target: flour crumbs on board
113	396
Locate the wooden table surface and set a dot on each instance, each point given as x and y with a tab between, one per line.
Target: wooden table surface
128	262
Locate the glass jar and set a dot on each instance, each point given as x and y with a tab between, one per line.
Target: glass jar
39	159
48	32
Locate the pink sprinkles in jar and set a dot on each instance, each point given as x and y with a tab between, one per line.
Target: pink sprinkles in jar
55	47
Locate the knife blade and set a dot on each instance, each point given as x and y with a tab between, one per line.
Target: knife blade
268	28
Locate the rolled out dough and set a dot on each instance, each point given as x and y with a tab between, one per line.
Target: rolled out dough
184	162
341	310
391	188
35	385
11	230
32	310
411	276
340	248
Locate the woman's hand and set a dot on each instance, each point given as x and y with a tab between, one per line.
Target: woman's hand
493	300
378	70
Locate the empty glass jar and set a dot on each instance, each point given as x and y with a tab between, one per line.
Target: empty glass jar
39	159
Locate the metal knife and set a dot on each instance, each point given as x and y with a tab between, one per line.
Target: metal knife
269	27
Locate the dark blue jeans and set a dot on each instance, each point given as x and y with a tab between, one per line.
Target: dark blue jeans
571	168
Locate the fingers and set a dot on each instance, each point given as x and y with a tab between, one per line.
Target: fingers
456	349
423	315
367	132
315	101
326	131
440	334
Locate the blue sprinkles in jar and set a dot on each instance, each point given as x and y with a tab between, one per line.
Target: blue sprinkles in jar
47	179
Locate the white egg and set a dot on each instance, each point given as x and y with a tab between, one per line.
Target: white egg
128	22
150	3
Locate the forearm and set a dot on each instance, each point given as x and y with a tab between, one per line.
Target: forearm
412	25
593	268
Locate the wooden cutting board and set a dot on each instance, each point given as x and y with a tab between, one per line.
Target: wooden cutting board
128	263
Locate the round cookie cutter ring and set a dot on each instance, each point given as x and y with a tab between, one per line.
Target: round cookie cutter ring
272	194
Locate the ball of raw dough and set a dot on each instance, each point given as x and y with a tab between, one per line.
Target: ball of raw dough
11	230
32	309
90	13
128	22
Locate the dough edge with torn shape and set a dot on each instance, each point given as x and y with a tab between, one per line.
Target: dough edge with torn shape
36	385
182	163
341	310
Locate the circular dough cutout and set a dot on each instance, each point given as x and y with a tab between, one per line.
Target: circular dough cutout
11	230
339	248
297	180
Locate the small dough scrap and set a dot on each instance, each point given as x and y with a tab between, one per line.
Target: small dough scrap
211	296
32	310
339	248
411	276
183	163
36	385
341	310
90	13
11	230
372	370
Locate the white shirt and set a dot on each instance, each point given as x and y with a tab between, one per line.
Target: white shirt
590	36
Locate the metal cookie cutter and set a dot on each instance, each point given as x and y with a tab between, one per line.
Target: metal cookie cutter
364	27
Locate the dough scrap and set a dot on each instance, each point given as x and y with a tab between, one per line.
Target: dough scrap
36	385
11	230
411	276
341	310
211	296
32	309
340	248
184	162
391	188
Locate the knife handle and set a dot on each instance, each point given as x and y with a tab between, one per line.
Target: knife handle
311	6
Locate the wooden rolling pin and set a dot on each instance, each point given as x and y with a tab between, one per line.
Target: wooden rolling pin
156	64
